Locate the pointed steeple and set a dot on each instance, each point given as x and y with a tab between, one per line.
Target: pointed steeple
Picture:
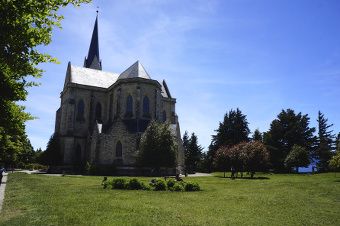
92	60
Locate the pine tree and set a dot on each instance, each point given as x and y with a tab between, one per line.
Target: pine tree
337	143
233	130
257	136
193	154
325	143
286	131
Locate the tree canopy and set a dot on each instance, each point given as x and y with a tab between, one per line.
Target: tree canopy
325	143
297	157
233	130
24	26
158	147
192	152
287	130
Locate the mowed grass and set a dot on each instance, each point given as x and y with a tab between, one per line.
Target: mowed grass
71	200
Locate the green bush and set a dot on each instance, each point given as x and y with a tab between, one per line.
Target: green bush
107	184
191	186
35	166
177	187
135	184
158	185
170	183
119	183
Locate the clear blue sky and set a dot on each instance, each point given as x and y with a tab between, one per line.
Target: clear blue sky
259	55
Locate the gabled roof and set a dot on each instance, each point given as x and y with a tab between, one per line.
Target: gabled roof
135	71
91	77
92	60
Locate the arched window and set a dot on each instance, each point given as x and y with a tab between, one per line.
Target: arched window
164	116
119	149
146	106
129	106
99	112
80	110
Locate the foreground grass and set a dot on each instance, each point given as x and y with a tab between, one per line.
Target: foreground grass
278	200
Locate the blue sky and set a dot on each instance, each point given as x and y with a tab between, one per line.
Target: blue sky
259	55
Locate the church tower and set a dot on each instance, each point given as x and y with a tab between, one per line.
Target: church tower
92	60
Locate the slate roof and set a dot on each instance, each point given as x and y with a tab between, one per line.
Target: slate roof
92	77
135	71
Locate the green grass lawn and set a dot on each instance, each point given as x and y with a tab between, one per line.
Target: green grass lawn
70	200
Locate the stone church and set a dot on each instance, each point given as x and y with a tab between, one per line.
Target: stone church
102	115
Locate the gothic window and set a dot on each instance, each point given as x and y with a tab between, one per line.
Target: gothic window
80	110
129	106
119	149
110	106
164	116
99	112
146	107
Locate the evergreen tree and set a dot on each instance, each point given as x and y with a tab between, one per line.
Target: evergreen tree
257	135
286	131
185	142
52	155
193	154
158	147
233	130
325	143
337	143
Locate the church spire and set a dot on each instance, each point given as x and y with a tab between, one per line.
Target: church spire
92	60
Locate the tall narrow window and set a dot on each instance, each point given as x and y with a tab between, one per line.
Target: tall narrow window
110	106
80	110
146	107
119	149
164	116
99	112
129	106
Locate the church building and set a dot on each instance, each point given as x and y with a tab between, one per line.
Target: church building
103	115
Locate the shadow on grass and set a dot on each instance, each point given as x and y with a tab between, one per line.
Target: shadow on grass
244	178
337	181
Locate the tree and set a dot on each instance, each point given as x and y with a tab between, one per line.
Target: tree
337	143
52	155
245	156
325	143
297	157
158	147
193	154
24	26
334	163
257	136
286	131
233	130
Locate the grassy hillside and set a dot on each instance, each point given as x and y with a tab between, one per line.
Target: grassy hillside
273	200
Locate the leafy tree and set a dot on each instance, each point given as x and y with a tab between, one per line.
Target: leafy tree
233	130
257	135
193	154
325	143
297	157
52	155
286	131
334	163
158	147
27	154
24	26
245	156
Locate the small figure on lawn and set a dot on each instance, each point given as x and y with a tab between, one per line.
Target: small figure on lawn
178	178
232	169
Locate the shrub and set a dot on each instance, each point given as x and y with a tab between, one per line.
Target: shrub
191	186
107	184
170	183
159	185
135	184
119	183
177	187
